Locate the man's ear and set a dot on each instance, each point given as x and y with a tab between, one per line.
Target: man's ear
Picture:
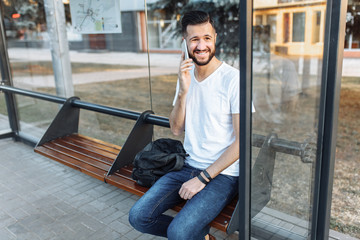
215	37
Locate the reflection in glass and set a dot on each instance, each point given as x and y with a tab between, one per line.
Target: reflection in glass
286	27
352	39
271	21
286	67
4	121
299	27
316	27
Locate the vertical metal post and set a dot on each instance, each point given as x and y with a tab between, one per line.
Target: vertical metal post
245	37
6	78
55	18
328	117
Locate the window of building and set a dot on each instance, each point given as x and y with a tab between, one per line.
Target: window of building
271	21
258	20
316	27
286	30
298	33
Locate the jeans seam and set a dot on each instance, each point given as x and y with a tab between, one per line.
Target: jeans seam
159	202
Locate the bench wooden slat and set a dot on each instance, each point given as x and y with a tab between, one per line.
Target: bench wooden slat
83	158
108	152
94	157
94	140
96	143
70	162
126	184
85	151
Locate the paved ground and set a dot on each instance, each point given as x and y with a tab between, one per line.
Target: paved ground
43	199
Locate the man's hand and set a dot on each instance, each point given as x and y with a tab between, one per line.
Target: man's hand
191	188
184	74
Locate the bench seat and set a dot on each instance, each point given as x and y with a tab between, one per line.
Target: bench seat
95	157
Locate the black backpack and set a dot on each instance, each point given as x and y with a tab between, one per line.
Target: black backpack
156	159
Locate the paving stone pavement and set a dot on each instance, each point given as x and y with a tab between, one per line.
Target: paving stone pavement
43	199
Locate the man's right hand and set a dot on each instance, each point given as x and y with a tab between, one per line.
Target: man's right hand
184	74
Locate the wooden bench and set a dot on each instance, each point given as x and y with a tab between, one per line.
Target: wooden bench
113	164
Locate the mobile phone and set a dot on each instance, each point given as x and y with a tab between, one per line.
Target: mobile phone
184	49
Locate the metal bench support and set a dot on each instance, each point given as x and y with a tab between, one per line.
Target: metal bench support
138	138
262	177
65	123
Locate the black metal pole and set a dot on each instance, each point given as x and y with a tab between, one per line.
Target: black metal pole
38	95
245	44
328	117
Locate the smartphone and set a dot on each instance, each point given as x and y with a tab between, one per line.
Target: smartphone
184	49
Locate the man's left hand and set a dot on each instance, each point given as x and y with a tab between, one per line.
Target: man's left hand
191	188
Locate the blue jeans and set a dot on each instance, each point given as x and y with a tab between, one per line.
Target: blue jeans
192	222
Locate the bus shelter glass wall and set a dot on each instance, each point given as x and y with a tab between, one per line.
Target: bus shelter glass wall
109	63
345	206
30	61
4	122
79	55
165	45
287	60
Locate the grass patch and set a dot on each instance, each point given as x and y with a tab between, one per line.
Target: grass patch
46	68
344	228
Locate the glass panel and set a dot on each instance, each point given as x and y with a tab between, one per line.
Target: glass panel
345	210
30	61
103	62
4	121
109	67
286	91
164	43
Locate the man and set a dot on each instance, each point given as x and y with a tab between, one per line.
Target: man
206	106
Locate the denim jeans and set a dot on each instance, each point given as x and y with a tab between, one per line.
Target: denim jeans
192	222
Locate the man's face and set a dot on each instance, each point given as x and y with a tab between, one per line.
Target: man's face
201	40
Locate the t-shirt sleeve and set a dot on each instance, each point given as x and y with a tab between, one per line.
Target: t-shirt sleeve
235	96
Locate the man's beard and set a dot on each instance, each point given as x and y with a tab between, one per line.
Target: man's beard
211	55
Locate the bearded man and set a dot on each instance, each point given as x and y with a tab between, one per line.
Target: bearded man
206	107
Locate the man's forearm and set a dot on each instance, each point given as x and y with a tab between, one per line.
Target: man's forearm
177	115
230	155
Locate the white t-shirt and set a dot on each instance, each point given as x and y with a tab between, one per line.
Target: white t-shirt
208	121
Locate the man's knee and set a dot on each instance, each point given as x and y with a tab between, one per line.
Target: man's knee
137	218
176	232
181	231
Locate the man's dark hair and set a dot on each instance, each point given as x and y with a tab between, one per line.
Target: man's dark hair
194	18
